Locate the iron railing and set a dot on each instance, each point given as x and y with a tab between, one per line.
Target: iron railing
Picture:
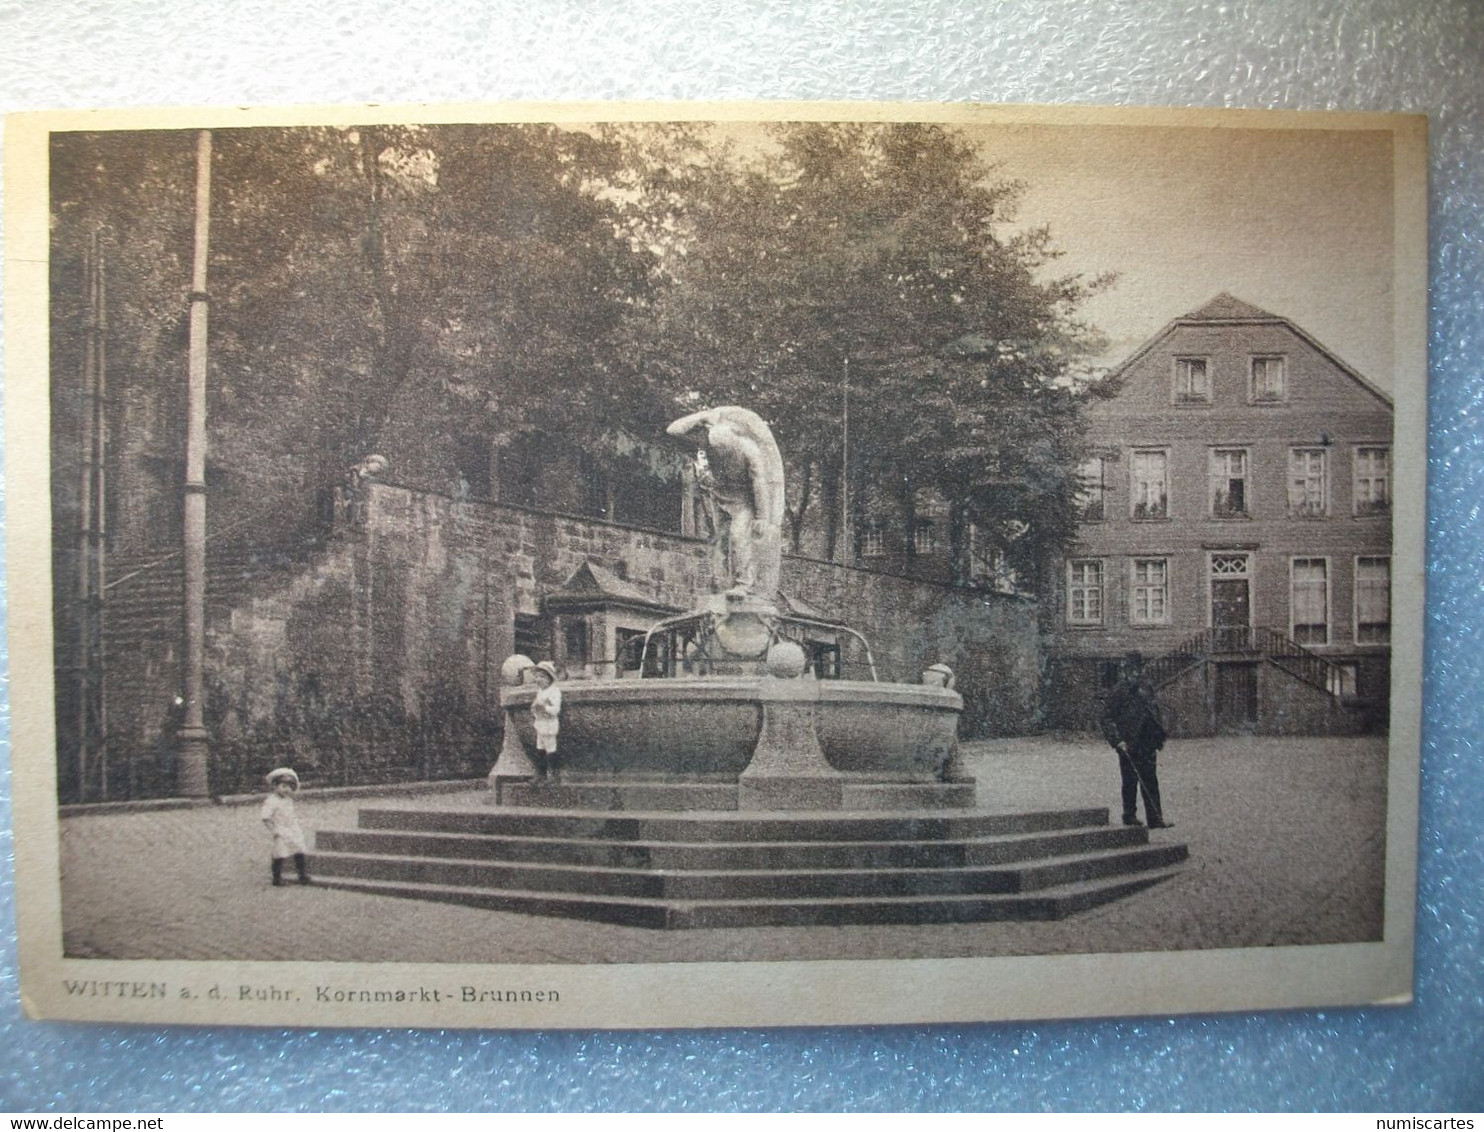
1302	664
1242	640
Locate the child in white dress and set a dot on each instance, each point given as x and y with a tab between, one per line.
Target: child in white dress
278	815
546	711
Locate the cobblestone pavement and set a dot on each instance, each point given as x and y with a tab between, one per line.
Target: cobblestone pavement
1286	842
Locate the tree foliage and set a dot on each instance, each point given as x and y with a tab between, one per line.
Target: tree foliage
378	287
883	256
370	287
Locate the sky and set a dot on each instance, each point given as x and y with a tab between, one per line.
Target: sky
1297	222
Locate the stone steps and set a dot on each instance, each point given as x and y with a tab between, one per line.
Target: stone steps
1049	904
724	869
608	853
714	796
636	796
728	826
749	884
909	795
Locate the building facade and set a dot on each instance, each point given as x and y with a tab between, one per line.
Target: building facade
1235	531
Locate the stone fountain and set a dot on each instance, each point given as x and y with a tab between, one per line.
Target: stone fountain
734	703
731	788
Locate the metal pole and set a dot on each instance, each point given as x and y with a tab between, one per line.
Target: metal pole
100	501
85	546
192	779
846	549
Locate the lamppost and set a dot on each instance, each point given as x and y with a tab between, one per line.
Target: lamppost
193	741
847	546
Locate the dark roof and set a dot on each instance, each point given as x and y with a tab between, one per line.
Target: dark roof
798	607
592	584
1227	308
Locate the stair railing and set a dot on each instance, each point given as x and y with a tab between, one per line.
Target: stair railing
1226	640
1301	663
1184	656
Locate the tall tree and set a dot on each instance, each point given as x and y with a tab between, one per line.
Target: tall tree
443	277
888	250
375	286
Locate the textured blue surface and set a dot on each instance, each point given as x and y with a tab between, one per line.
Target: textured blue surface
1414	55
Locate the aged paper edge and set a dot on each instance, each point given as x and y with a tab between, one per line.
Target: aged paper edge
692	994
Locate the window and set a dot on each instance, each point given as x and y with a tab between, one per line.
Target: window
924	537
1192	381
872	544
1149	596
575	640
1310	602
1373	601
1229	483
823	658
627	494
1090	489
1307	491
1372	480
1085	592
1342	677
1229	566
991	569
629	645
1150	495
1269	379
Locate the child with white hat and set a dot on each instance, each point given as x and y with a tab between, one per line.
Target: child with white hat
278	815
546	711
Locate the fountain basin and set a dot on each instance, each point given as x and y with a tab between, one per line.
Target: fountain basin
707	728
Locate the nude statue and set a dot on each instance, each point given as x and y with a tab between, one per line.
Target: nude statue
740	470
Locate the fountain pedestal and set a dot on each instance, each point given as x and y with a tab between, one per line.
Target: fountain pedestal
788	770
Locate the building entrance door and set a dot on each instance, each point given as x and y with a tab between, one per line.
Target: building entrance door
1236	698
1231	603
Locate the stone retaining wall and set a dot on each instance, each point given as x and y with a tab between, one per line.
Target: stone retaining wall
379	660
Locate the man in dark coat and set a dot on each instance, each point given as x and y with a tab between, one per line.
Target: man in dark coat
1133	728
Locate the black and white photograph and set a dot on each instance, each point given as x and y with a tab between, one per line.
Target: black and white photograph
714	565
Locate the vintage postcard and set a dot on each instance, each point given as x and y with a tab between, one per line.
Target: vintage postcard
705	565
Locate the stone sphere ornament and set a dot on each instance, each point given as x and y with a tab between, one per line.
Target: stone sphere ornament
938	676
513	670
786	660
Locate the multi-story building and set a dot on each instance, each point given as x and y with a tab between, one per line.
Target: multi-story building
1236	531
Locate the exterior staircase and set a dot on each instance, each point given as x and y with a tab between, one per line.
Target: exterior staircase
144	611
1240	642
727	870
145	595
1311	668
